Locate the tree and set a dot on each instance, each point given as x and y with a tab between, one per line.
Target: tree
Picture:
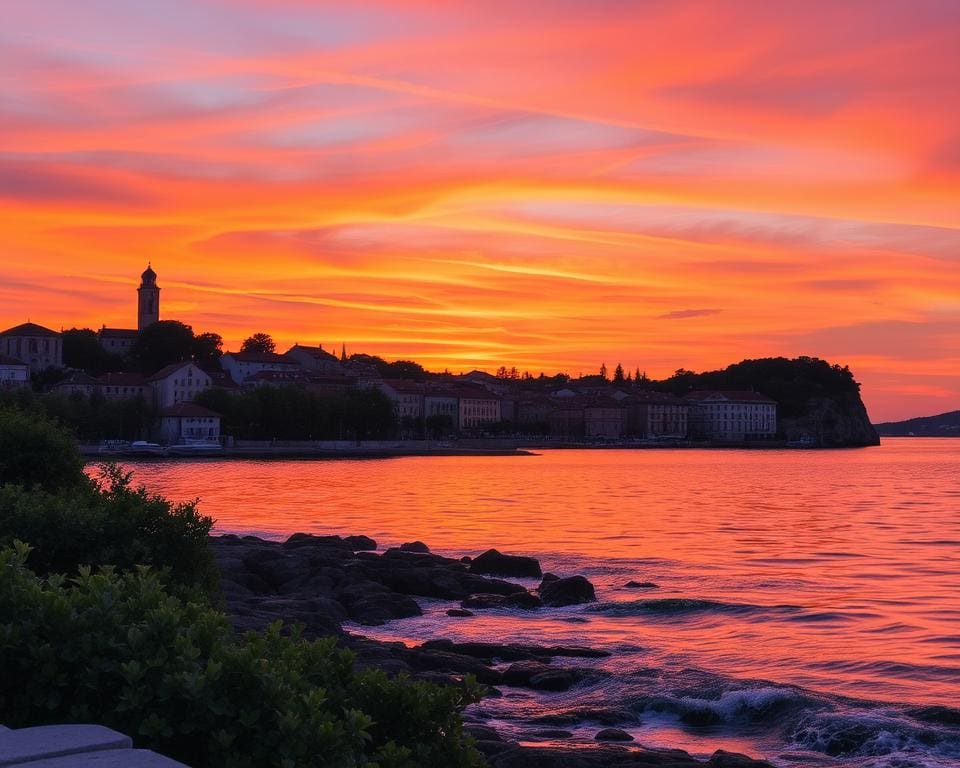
208	348
162	343
258	342
618	374
81	349
603	371
35	452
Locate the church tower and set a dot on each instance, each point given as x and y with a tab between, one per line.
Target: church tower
148	299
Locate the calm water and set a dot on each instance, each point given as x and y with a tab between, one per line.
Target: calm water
808	603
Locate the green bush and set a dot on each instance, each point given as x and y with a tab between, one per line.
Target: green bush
108	522
36	453
119	650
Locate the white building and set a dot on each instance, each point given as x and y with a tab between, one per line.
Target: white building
188	421
476	407
13	373
178	383
732	416
38	347
244	365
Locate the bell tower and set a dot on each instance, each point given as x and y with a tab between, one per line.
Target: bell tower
148	299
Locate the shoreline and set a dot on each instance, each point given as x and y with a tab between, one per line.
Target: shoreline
379	450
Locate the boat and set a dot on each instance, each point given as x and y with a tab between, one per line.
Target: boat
143	448
111	447
193	447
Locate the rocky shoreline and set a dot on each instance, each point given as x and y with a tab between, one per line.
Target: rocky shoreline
322	582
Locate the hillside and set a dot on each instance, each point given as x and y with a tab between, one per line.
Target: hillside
816	401
941	425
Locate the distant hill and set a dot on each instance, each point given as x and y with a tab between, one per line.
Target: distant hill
941	425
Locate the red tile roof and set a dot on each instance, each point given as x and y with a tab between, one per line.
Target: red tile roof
167	370
118	333
122	379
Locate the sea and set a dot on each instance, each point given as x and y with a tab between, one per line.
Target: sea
797	605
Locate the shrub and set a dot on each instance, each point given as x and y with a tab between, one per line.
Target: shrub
108	522
117	649
35	452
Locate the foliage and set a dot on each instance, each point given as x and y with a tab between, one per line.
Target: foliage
160	344
90	418
109	522
259	342
82	350
401	369
207	348
35	452
792	383
294	413
117	649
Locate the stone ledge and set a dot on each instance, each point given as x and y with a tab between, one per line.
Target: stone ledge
62	746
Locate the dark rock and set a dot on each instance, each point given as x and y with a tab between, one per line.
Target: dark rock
723	759
569	591
603	716
520	673
456	663
515	651
549	577
494	562
600	756
414	546
613	734
460	613
554	680
523	599
549	733
372	604
482	732
358	543
641	585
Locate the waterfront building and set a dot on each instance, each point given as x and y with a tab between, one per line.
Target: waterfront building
14	374
188	421
732	416
38	347
605	418
655	414
476	407
407	397
178	383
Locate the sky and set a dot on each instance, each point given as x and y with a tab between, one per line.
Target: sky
551	185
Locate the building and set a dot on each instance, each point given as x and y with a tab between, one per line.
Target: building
732	416
315	359
77	382
119	341
476	407
178	383
118	386
244	365
604	418
407	397
440	402
188	421
148	299
38	347
656	415
13	373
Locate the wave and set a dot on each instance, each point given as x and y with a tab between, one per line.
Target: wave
678	606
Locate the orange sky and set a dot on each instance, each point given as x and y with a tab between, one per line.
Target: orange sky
550	185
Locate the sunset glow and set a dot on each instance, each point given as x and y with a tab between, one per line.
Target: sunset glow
550	185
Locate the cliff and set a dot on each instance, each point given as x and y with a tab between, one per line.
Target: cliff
831	422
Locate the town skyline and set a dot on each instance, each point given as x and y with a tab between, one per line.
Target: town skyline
659	184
